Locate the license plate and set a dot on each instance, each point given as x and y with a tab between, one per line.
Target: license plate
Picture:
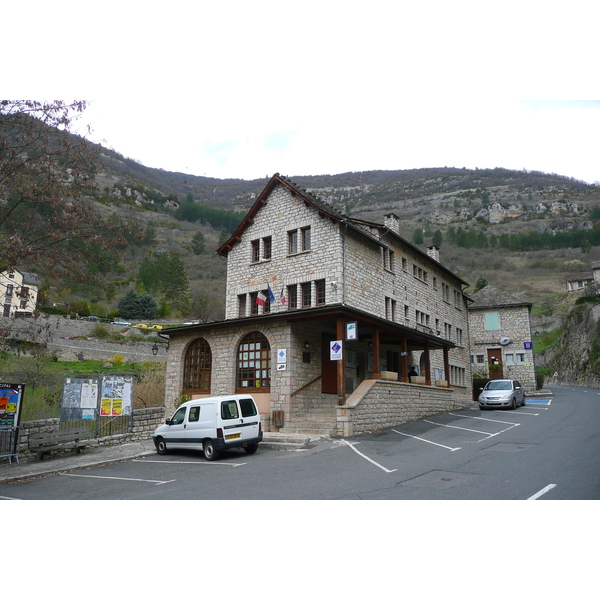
233	436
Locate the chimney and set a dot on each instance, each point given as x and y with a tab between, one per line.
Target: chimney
392	222
434	252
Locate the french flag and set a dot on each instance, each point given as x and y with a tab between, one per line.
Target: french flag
283	297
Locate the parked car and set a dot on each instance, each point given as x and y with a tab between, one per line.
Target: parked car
507	393
92	318
212	425
124	323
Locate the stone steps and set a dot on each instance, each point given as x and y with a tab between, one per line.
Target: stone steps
313	427
277	440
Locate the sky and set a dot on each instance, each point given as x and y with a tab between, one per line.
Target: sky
243	90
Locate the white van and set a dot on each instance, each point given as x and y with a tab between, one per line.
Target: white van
212	425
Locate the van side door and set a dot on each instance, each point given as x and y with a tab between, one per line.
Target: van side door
201	424
175	434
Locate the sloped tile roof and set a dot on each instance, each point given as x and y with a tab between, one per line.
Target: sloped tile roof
490	296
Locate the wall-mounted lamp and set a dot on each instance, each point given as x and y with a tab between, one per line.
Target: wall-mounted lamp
155	349
306	345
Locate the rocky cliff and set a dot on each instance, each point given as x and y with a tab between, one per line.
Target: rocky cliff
576	356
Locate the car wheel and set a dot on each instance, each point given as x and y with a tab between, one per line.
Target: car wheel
482	407
523	401
161	446
251	448
210	452
513	404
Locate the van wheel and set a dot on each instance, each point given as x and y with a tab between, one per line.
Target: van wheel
251	448
210	452
161	446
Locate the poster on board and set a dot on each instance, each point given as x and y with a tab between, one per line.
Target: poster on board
11	403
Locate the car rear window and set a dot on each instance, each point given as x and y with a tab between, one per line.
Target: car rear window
247	407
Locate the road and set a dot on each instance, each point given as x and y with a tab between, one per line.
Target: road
546	450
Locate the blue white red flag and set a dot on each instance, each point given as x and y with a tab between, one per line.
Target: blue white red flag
260	299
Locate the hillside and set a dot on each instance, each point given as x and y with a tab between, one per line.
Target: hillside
490	203
522	231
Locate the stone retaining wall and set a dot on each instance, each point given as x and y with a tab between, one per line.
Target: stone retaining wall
377	404
72	339
145	421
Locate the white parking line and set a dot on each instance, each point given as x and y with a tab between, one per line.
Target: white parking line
542	491
156	482
456	427
424	440
484	419
191	462
367	458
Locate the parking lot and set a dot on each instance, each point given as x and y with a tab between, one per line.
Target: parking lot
465	454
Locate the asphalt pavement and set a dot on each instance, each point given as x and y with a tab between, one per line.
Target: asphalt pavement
104	455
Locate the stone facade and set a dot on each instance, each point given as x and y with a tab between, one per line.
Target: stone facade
331	270
18	292
500	337
379	404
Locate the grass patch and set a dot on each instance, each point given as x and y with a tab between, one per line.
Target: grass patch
43	379
547	339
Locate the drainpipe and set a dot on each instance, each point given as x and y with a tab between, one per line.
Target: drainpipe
344	264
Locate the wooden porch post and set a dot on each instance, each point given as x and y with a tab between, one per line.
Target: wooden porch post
447	365
404	360
341	365
427	364
376	355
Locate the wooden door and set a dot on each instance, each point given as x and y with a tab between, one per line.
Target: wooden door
495	363
328	367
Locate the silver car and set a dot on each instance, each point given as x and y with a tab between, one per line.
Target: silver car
507	393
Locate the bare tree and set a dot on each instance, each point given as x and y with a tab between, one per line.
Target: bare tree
46	176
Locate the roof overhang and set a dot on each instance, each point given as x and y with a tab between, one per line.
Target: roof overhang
367	324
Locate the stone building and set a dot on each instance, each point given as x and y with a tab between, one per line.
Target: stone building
325	315
18	291
500	337
580	281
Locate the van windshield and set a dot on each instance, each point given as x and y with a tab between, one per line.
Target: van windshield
498	385
247	407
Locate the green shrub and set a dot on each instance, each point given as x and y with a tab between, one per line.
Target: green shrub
100	332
